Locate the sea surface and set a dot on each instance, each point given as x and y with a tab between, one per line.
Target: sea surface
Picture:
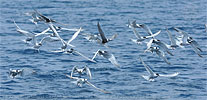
44	72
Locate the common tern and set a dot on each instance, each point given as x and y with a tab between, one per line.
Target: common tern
73	51
81	81
108	56
196	47
140	38
160	53
161	44
133	24
154	75
15	72
81	71
184	36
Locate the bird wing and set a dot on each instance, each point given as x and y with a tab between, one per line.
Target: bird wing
169	75
88	71
95	54
76	78
113	37
146	28
145	77
43	32
90	84
153	35
74	36
147	67
195	44
101	33
195	49
136	33
162	56
73	70
149	44
113	60
84	56
173	42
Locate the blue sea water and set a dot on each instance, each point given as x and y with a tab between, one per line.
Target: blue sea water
125	83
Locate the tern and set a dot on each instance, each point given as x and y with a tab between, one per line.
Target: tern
81	81
81	71
92	37
140	38
15	72
104	39
161	44
154	75
160	53
184	36
73	51
133	24
196	47
46	19
35	19
108	56
29	35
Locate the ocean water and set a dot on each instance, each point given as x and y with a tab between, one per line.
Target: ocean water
124	83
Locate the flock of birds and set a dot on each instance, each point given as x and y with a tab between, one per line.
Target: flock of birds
51	34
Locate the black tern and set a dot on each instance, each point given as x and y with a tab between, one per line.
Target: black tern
104	39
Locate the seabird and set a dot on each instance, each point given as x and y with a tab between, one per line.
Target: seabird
81	81
15	72
196	47
81	71
153	75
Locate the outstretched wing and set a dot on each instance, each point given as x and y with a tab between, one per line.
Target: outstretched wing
84	56
173	42
169	75
101	33
149	44
87	82
74	36
73	70
95	54
153	35
113	60
196	50
147	67
136	33
162	56
113	37
88	71
146	28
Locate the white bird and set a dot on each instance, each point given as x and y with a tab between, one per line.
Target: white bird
81	81
140	38
15	72
104	39
81	71
133	24
73	51
108	56
35	19
196	47
92	37
184	36
161	44
153	75
160	53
